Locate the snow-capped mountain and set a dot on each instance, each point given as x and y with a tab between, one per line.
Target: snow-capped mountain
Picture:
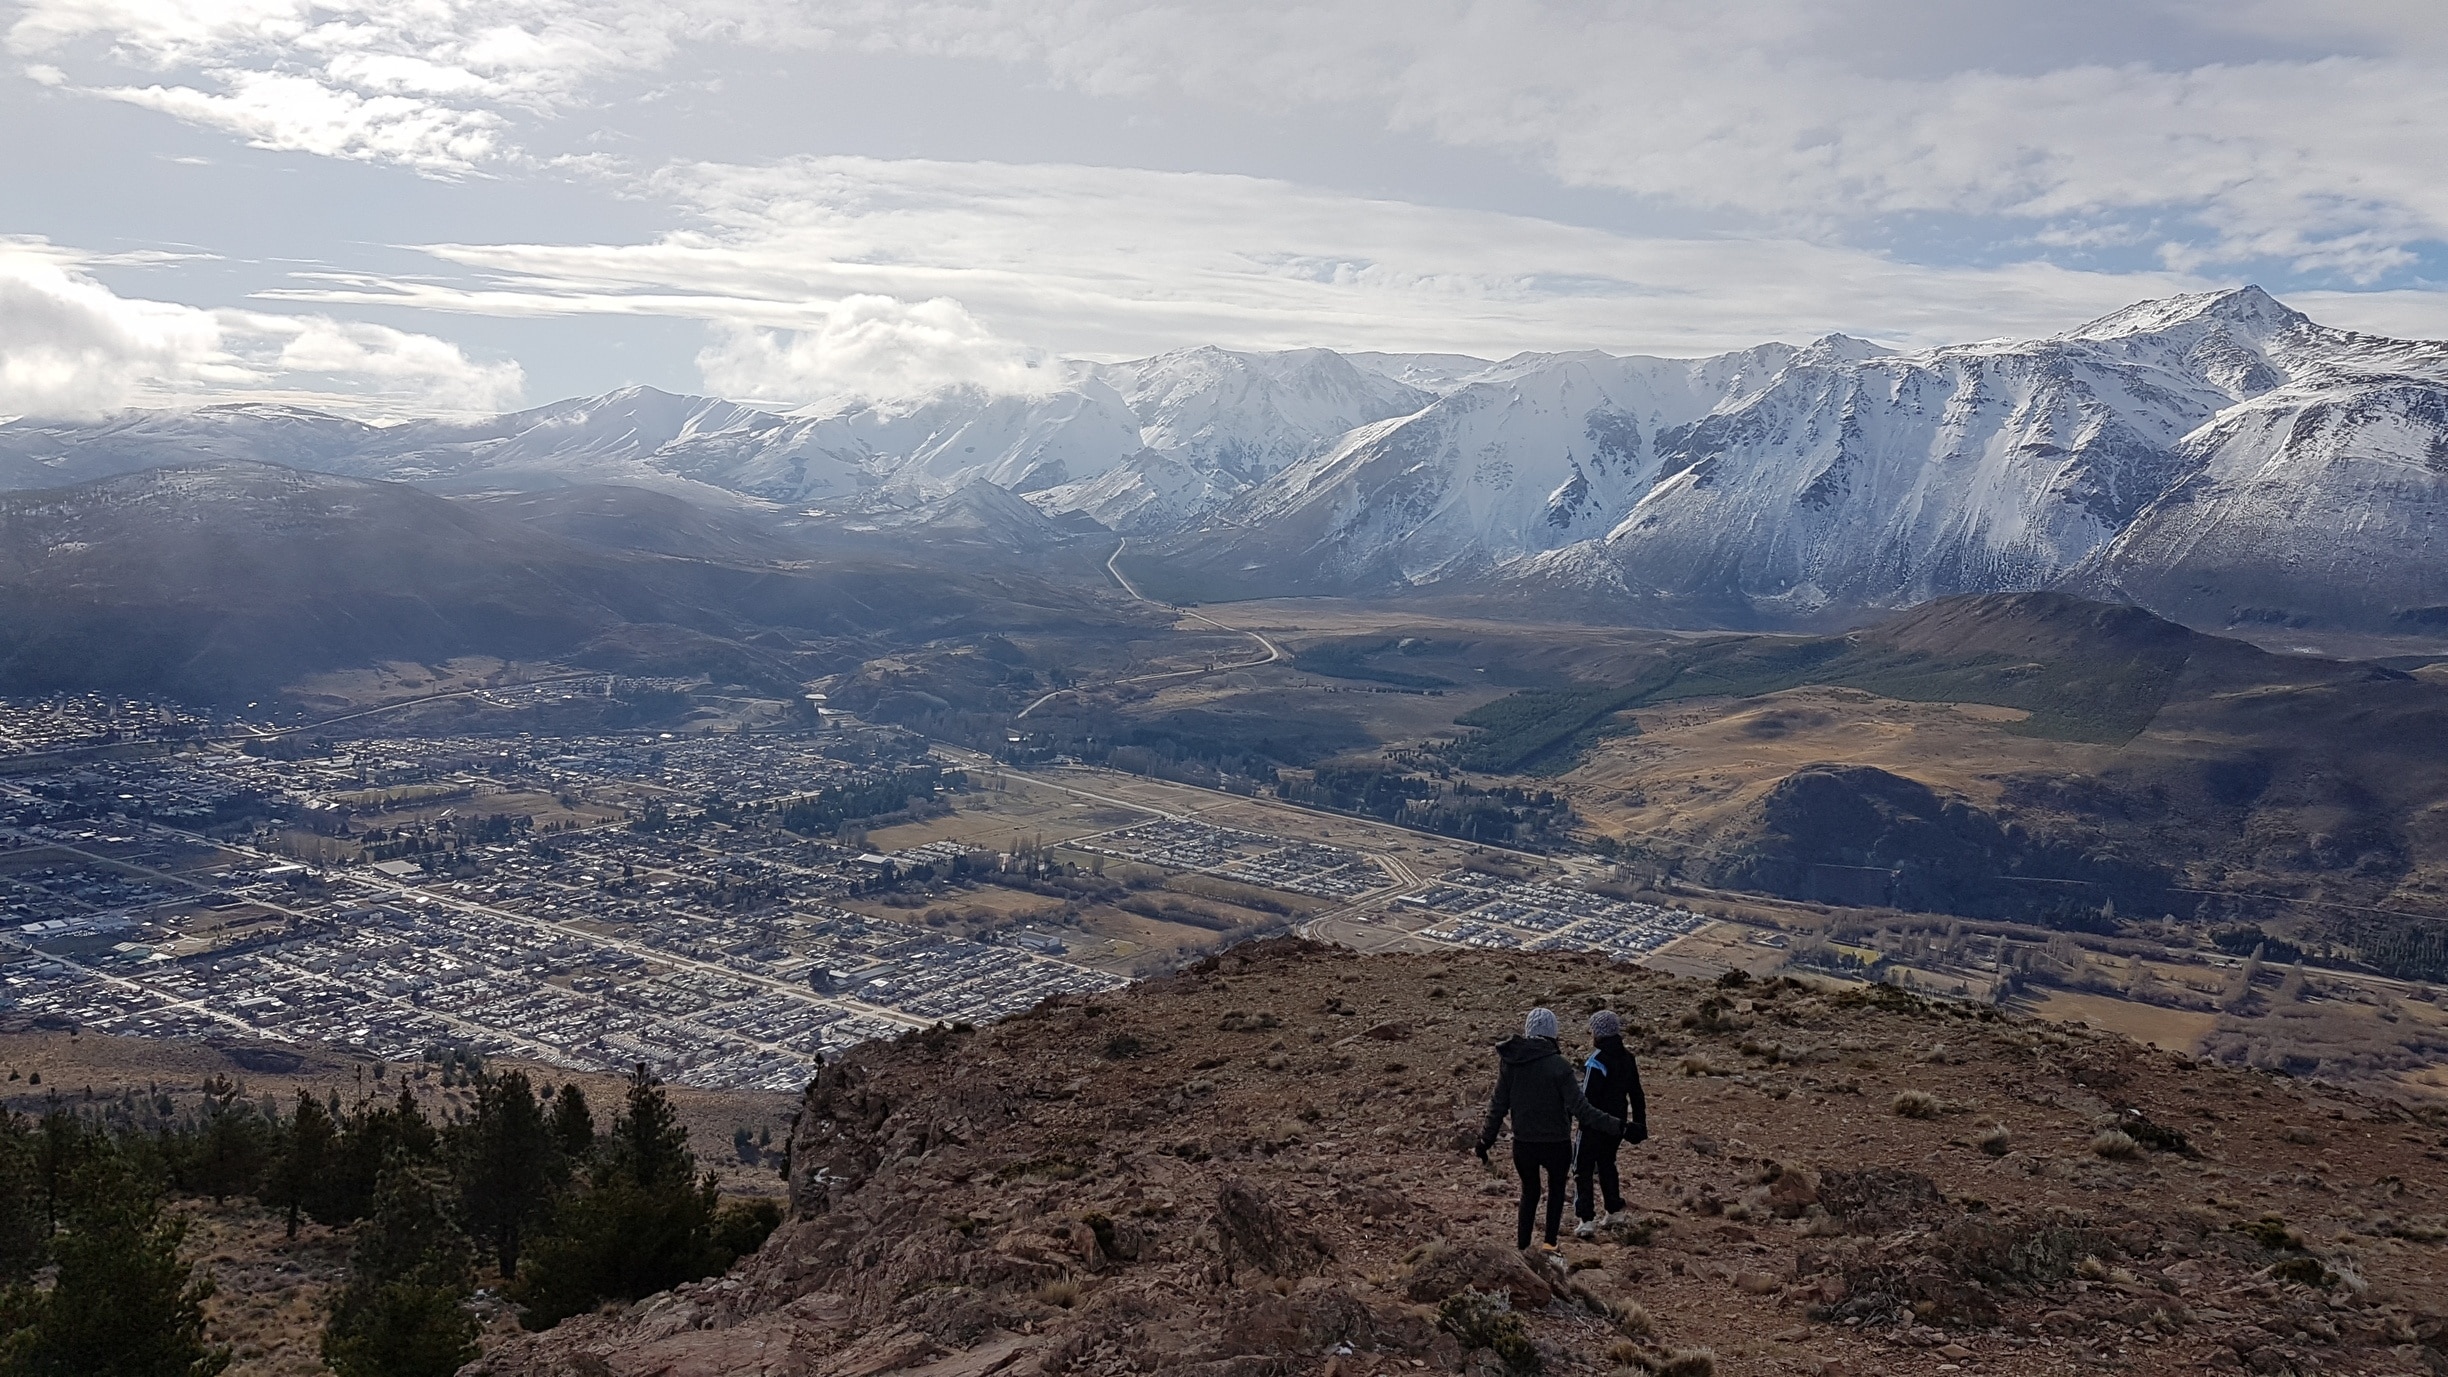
2217	457
1533	453
48	454
1246	417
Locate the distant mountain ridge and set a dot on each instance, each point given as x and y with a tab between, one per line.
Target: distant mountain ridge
2218	457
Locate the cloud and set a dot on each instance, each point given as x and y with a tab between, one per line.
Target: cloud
1114	262
380	362
273	110
430	85
70	346
2246	131
872	346
1807	112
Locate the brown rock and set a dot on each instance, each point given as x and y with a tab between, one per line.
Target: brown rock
1253	1232
1447	1269
1794	1191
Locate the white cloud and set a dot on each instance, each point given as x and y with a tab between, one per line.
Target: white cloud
1108	262
70	346
380	362
273	110
872	346
2259	128
1795	110
428	84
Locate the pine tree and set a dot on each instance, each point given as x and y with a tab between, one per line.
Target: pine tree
371	1137
25	1231
232	1145
402	1313
502	1158
305	1156
123	1304
641	1222
573	1124
648	1143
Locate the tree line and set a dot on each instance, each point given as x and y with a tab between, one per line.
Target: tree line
524	1193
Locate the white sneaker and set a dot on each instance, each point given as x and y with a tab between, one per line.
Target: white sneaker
1588	1228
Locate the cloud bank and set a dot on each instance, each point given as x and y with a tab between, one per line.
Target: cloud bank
873	346
70	346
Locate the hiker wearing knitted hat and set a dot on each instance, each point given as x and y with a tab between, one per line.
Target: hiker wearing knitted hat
1610	1079
1536	1087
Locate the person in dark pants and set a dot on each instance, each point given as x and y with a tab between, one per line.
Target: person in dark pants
1535	1084
1610	1080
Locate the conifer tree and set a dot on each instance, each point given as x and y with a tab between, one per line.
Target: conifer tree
123	1304
573	1124
305	1156
502	1158
402	1313
640	1222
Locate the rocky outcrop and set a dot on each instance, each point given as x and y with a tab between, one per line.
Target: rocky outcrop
1245	1195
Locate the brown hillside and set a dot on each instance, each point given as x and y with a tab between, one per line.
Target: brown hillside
1260	1166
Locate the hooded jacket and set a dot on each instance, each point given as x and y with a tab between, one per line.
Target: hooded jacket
1535	1083
1611	1081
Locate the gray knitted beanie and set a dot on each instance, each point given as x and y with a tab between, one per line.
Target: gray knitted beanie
1604	1024
1541	1023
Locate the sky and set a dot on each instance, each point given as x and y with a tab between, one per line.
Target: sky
401	207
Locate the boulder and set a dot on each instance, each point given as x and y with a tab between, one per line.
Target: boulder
1448	1269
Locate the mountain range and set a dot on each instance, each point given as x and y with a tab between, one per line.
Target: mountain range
2218	458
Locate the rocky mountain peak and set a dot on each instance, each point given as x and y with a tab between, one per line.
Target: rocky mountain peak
2248	310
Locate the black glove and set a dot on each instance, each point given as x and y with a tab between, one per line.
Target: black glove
1482	1150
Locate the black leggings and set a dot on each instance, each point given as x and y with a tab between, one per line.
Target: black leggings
1597	1157
1530	1159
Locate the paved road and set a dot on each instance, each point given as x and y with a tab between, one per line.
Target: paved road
1270	652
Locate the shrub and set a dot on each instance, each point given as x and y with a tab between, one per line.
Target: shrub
1687	1362
2157	1137
1061	1292
1996	1139
2305	1270
1917	1104
2116	1145
1479	1320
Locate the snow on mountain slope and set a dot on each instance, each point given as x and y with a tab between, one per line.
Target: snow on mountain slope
1539	451
642	436
1880	482
43	454
2217	457
1244	417
1023	444
2318	503
1147	494
1438	373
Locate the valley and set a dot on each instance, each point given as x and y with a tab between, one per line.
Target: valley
771	752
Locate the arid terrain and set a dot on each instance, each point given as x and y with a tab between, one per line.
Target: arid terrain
1261	1165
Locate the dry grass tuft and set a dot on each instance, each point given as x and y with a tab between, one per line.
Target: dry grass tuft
1917	1104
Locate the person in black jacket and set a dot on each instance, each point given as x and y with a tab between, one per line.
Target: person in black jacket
1610	1080
1536	1085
